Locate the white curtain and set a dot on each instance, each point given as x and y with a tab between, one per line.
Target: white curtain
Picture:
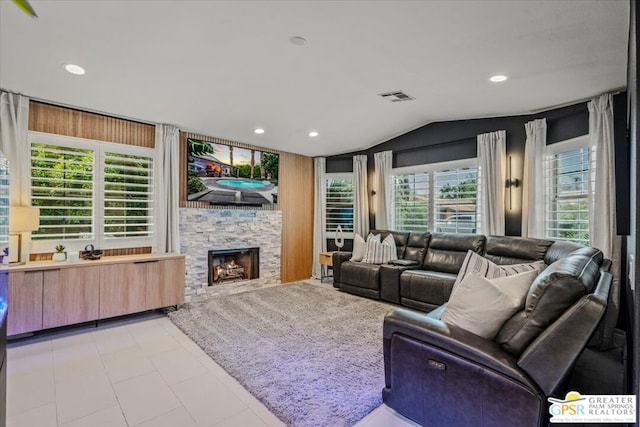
360	196
533	194
319	220
602	219
492	153
167	170
14	125
382	184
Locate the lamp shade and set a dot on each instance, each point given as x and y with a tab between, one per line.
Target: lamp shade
23	218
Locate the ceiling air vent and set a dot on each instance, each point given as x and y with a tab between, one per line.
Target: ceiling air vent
396	96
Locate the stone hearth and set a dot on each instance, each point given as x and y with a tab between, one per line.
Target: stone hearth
204	229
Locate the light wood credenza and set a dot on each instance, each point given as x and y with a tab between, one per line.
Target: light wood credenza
49	294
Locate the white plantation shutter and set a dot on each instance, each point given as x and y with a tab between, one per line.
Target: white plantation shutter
439	197
62	186
410	202
91	192
339	203
128	197
455	200
569	175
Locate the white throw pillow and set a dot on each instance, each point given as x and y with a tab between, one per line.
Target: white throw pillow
380	252
481	306
516	286
359	248
373	255
389	250
474	263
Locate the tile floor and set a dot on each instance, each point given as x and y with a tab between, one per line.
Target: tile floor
140	371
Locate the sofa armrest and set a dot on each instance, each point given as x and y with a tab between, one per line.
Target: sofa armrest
436	333
338	259
550	357
390	281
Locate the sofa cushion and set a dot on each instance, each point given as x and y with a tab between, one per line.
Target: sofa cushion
417	247
474	263
373	252
361	275
513	250
447	251
380	252
389	251
401	239
560	249
431	287
359	248
482	305
553	292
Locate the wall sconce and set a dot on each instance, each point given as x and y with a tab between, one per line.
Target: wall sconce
22	219
511	182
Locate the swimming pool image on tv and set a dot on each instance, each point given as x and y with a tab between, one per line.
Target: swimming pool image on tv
244	184
223	174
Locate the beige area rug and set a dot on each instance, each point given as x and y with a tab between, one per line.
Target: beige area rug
310	353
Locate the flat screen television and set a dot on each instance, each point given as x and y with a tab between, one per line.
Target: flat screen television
225	175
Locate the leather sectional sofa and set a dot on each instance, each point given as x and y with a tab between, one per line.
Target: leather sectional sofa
429	263
438	374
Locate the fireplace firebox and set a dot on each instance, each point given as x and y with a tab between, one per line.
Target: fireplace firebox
226	265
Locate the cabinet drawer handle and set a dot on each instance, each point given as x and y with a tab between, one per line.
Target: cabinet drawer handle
146	262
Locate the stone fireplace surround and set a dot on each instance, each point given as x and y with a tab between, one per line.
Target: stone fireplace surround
202	230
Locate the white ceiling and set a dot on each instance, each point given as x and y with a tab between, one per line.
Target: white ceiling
223	68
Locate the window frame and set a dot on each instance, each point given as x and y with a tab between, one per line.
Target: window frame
338	175
431	168
579	142
100	148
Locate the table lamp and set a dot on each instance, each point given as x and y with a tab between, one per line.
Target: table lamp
23	219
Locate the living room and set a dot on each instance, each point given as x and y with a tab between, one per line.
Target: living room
326	101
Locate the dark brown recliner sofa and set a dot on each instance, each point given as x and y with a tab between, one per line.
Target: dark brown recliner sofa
441	375
364	279
431	263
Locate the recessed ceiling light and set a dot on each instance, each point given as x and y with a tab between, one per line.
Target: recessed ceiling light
74	69
297	40
313	134
259	131
498	78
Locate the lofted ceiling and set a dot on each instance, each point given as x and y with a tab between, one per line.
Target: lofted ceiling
224	68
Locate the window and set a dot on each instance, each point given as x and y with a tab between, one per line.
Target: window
410	197
569	176
440	197
339	203
62	186
91	192
127	195
455	202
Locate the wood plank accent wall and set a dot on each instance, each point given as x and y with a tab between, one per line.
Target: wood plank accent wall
296	195
59	120
295	200
295	192
67	121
